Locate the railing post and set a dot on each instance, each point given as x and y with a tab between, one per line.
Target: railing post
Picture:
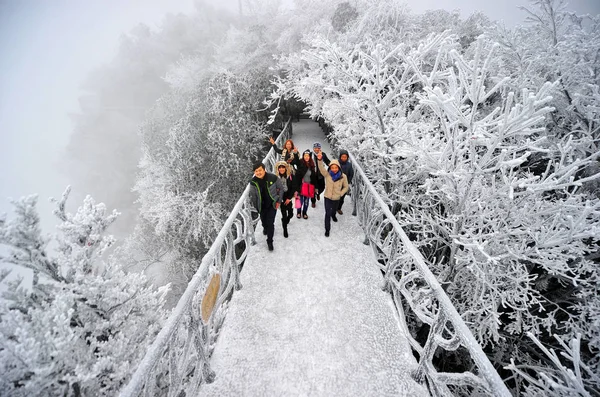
430	346
235	269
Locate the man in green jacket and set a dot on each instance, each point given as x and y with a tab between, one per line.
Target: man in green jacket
266	194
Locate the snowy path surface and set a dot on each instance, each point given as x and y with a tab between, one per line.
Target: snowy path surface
311	319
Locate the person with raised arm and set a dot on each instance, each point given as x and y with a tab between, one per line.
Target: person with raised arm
266	196
289	153
336	185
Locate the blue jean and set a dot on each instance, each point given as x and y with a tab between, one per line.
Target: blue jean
305	201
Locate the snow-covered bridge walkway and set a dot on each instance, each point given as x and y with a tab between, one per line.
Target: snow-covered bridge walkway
311	319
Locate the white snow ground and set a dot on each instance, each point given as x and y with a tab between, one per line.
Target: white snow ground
311	319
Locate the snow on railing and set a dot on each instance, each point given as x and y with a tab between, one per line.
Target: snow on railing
414	287
177	361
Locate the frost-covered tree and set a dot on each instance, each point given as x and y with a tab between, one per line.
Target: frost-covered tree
344	15
200	140
558	45
389	21
455	140
198	150
85	323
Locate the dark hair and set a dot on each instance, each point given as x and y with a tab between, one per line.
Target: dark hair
310	163
257	166
289	140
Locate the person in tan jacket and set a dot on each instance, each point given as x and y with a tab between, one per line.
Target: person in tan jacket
336	185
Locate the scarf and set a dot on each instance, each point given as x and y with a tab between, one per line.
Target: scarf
335	175
284	181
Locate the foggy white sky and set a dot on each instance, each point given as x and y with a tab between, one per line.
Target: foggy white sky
47	47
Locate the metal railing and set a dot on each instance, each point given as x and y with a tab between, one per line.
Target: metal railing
177	362
414	287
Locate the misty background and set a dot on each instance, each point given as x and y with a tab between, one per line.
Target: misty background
158	110
52	53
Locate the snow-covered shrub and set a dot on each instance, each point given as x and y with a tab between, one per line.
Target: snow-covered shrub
85	323
557	45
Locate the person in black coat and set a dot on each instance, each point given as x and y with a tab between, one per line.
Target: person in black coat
320	185
306	177
290	190
347	169
265	198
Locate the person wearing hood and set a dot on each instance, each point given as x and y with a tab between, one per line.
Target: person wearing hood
266	195
320	185
290	190
336	185
347	169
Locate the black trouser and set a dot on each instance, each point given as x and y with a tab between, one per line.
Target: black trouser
330	208
341	201
319	189
287	212
267	218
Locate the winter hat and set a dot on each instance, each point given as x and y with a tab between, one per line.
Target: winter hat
335	175
335	162
316	145
306	152
342	152
283	164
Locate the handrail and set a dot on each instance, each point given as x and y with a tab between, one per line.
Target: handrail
422	293
177	360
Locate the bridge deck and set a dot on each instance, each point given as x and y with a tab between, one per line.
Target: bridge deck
311	319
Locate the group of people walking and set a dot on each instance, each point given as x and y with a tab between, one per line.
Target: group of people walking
298	182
